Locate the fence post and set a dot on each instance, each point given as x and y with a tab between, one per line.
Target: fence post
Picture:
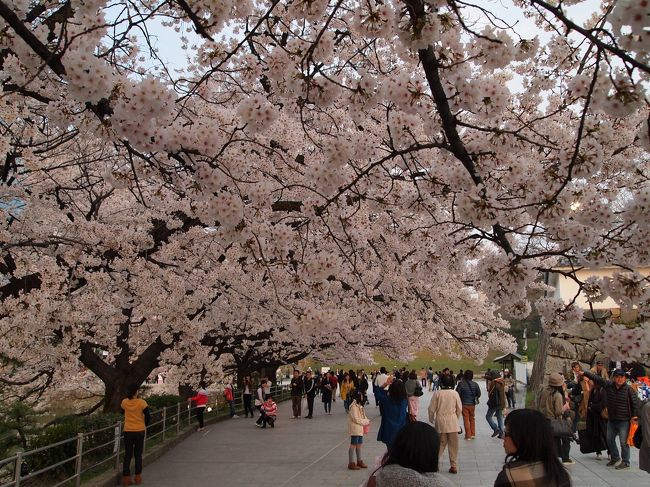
18	468
178	418
80	445
116	448
189	414
164	424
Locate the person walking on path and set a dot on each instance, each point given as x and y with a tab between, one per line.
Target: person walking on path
644	451
346	386
412	385
509	384
248	396
531	460
357	423
596	422
297	391
469	392
430	378
136	420
326	393
423	377
622	407
394	407
201	401
445	410
496	402
229	395
334	382
310	392
412	460
551	405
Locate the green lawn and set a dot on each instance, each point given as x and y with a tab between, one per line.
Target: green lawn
422	359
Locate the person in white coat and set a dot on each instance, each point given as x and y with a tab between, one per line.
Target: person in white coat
445	409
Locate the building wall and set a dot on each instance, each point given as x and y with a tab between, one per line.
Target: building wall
566	288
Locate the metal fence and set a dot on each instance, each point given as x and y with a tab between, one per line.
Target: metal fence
90	453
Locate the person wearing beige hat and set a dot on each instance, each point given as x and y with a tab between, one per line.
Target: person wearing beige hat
551	405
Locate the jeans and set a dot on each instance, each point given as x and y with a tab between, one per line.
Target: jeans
621	429
346	405
499	414
511	398
232	408
133	445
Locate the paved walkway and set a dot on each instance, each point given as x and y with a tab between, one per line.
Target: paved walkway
314	453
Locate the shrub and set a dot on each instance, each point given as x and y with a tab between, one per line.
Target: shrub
67	429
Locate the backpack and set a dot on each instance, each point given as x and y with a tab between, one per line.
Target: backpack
227	393
493	398
418	391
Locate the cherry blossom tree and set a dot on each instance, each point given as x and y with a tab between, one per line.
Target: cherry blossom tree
352	172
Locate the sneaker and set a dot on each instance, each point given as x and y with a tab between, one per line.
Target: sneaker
353	466
453	470
258	425
496	433
568	462
500	436
234	416
612	462
473	437
599	456
360	464
622	466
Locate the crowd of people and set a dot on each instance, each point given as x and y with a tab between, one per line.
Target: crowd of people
584	406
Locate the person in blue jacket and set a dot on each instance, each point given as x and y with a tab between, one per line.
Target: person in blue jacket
394	408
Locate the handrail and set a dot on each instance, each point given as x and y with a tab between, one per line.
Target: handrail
171	421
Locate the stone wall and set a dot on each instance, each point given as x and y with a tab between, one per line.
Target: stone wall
557	351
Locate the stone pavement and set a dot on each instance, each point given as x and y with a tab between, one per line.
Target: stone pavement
306	452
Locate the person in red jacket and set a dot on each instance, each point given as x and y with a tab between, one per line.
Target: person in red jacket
201	401
269	412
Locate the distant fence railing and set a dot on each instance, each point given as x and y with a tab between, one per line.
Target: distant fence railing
93	452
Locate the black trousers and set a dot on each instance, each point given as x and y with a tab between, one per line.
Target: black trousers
248	404
199	416
563	446
310	405
133	445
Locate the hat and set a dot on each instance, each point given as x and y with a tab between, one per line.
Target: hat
555	380
618	372
494	374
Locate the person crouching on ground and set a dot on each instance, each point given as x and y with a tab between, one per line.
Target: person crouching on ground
269	412
136	419
445	409
357	422
531	457
411	460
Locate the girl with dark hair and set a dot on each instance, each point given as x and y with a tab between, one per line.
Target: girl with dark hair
531	457
357	423
394	409
412	460
248	396
445	409
136	419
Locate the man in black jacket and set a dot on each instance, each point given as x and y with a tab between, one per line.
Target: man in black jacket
297	391
622	406
310	391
